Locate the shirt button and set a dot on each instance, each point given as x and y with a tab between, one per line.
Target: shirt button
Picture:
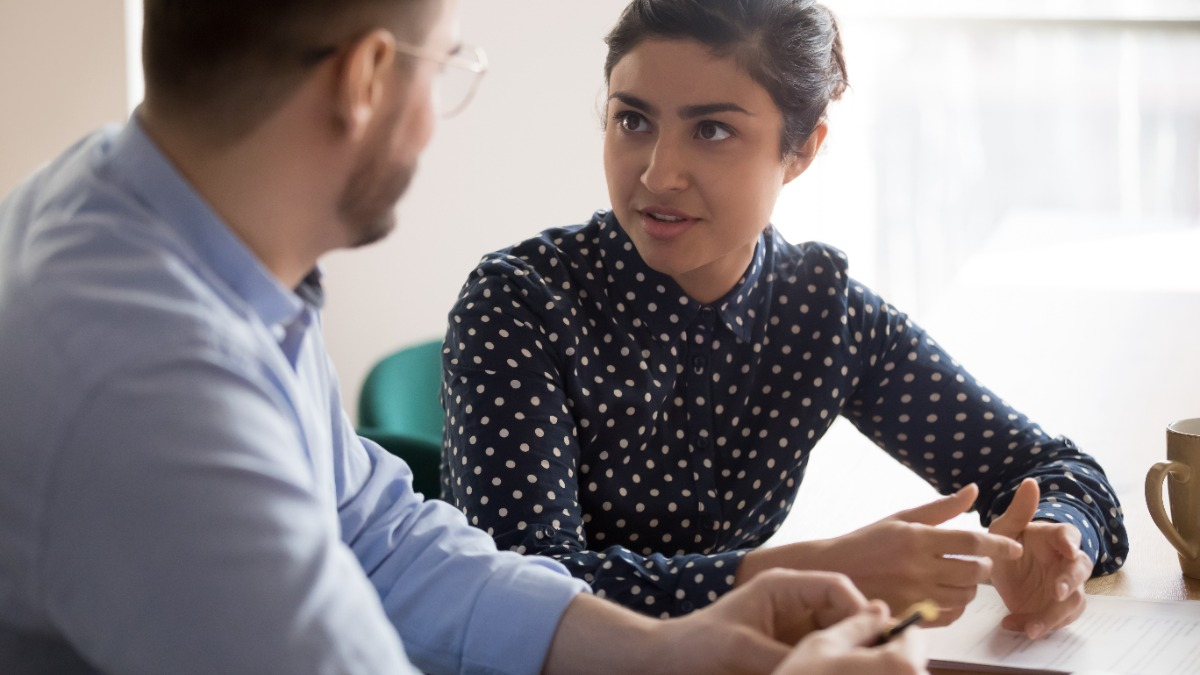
698	364
702	442
685	607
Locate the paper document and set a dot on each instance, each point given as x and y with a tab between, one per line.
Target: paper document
1124	636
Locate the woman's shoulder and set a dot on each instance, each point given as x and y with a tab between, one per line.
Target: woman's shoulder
558	257
569	242
808	261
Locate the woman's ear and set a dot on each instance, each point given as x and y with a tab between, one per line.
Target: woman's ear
361	74
797	162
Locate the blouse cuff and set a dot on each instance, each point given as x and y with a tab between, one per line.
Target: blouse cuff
703	579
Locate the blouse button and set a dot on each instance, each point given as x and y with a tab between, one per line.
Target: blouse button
698	364
686	606
702	442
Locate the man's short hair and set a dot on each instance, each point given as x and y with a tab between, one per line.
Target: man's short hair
231	63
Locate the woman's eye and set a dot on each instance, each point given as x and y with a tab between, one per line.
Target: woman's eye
631	121
712	131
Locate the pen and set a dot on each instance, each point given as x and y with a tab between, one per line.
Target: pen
921	611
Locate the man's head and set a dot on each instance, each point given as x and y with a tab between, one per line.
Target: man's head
324	96
229	63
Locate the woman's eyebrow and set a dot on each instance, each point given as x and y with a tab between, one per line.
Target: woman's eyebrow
633	102
703	109
686	112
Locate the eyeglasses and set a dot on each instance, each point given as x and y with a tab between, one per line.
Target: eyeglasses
457	78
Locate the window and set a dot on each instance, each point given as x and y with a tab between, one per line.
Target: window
973	127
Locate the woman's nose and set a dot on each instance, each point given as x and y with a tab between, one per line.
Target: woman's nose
666	170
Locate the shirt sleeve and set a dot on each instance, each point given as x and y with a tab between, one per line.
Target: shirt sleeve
925	409
513	454
189	533
459	604
185	535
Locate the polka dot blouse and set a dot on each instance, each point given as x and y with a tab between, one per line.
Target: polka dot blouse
598	415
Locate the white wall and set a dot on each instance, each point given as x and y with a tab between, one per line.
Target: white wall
62	73
525	156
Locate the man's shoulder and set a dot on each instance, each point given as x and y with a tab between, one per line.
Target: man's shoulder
91	276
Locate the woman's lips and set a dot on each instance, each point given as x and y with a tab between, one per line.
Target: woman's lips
664	224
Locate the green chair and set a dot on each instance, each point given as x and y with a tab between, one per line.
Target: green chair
399	407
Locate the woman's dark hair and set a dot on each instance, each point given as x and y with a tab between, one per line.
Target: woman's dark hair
790	47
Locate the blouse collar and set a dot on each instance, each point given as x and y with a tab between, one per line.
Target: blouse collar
629	275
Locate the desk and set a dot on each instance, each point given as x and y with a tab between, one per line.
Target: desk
1152	570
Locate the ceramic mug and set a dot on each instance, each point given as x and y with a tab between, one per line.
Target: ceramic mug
1182	527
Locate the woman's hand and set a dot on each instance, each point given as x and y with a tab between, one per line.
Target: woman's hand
904	558
1043	589
848	648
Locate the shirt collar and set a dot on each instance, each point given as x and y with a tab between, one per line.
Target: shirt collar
155	182
738	309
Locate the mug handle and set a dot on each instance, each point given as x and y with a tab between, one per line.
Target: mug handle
1154	501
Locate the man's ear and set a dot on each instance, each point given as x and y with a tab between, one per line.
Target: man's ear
361	79
797	162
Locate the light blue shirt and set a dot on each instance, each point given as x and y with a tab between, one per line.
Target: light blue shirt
180	491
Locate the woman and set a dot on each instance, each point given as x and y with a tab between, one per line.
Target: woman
638	396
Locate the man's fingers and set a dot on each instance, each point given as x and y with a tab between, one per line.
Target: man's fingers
840	640
941	510
860	630
802	601
1020	512
752	652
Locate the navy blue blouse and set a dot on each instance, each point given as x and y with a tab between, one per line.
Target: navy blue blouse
597	414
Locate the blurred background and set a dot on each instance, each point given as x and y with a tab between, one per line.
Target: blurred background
1022	177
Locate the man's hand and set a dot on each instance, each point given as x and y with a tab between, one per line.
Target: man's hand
1043	589
752	629
848	648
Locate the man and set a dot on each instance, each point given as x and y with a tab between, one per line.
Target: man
180	491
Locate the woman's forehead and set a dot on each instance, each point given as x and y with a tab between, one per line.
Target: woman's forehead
685	72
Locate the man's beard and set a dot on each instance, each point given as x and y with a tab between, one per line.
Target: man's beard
368	201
